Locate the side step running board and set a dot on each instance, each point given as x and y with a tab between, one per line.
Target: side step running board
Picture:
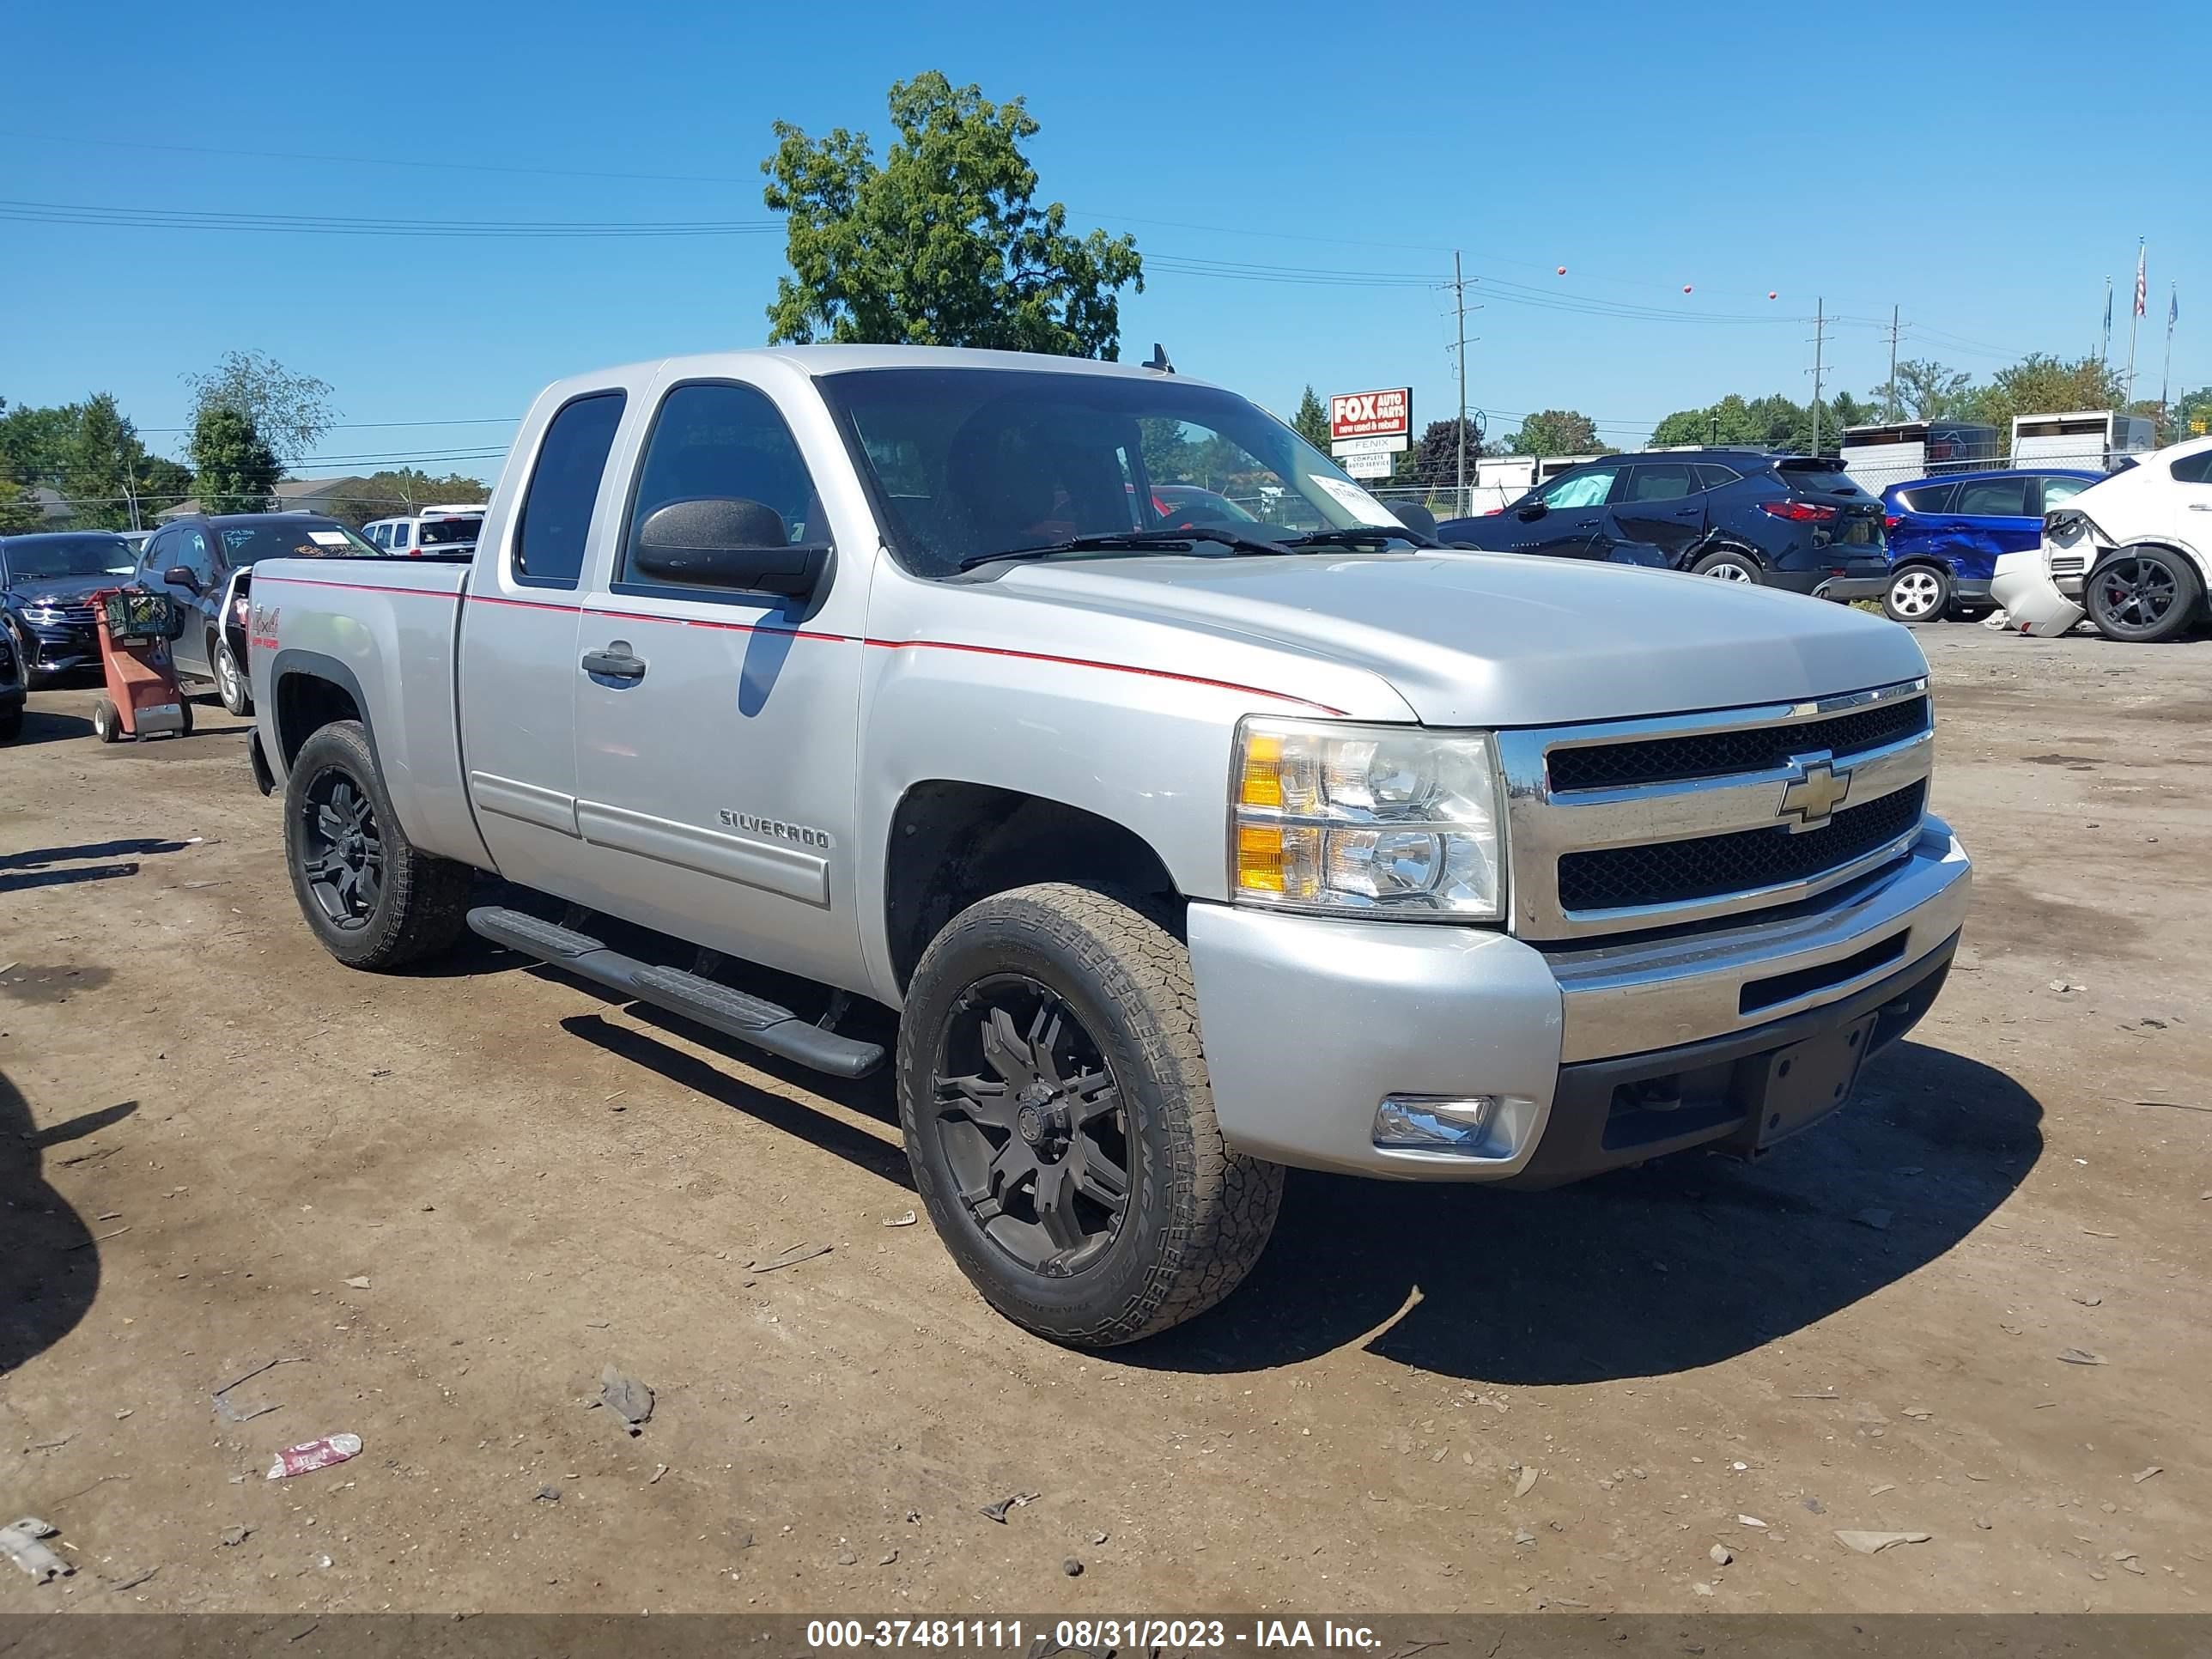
748	1019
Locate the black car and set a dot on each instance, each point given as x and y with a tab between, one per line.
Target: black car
1745	515
48	581
200	563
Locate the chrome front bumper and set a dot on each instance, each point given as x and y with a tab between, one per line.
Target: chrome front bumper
1308	1023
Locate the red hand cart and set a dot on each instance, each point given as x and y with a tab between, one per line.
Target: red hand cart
143	698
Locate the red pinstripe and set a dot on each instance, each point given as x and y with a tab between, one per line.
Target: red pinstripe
827	639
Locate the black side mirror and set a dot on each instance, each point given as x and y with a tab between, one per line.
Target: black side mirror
1531	509
1416	518
722	542
180	575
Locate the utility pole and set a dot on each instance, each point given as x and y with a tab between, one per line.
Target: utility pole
2104	340
1460	503
1892	410
1819	339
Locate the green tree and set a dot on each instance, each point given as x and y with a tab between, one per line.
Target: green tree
1557	432
406	489
1435	462
19	509
2040	384
1924	390
103	464
289	412
1311	421
944	244
236	471
2188	416
34	443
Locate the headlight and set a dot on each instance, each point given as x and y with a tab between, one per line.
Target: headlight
1385	820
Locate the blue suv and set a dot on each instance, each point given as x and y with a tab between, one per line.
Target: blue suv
1944	535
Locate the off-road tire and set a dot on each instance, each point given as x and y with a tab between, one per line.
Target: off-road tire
231	689
421	906
1712	565
1198	1216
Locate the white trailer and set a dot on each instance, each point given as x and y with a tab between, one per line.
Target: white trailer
2091	438
1897	451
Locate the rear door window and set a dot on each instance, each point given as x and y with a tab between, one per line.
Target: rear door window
1993	498
564	487
1656	481
2194	469
1928	498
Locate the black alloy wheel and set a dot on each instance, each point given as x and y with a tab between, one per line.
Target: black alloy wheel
1031	1123
343	849
2142	597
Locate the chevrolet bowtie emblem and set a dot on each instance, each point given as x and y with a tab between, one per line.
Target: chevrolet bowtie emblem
1817	791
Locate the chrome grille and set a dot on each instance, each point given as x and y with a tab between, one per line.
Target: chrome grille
1716	754
1672	871
1627	825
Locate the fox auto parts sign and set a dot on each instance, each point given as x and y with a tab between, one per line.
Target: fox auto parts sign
1355	415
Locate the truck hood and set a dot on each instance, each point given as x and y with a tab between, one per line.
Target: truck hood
1473	639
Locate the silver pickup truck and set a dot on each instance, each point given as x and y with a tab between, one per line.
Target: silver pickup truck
1196	816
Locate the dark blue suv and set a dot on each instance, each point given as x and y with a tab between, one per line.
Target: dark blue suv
1944	534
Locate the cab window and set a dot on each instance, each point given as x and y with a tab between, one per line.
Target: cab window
564	487
717	439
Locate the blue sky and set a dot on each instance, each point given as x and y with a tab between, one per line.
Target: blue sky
2000	162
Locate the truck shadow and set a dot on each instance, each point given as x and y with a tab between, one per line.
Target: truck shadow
49	1268
1643	1272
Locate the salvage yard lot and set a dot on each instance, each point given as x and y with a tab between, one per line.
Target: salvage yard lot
209	1131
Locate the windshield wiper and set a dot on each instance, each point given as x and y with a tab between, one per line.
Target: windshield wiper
1158	541
1372	535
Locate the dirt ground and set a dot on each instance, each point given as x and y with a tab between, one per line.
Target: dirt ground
447	1200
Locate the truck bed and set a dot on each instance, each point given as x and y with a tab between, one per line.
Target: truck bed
385	629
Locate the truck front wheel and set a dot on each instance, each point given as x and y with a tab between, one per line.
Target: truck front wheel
1054	1096
373	898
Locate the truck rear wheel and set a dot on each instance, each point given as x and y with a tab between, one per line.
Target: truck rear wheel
1054	1096
374	899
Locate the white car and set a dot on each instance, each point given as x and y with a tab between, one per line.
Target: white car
434	530
2131	554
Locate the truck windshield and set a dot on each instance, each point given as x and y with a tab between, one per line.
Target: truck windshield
971	462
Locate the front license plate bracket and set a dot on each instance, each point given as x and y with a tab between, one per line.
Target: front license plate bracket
1789	1090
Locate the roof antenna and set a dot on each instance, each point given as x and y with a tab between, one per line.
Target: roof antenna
1158	360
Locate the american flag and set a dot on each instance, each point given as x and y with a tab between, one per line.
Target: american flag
2143	282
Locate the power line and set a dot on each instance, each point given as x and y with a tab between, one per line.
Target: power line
137	218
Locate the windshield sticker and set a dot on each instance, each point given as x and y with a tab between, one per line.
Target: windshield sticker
1357	503
326	538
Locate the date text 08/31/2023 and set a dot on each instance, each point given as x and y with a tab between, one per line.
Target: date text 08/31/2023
1086	1634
